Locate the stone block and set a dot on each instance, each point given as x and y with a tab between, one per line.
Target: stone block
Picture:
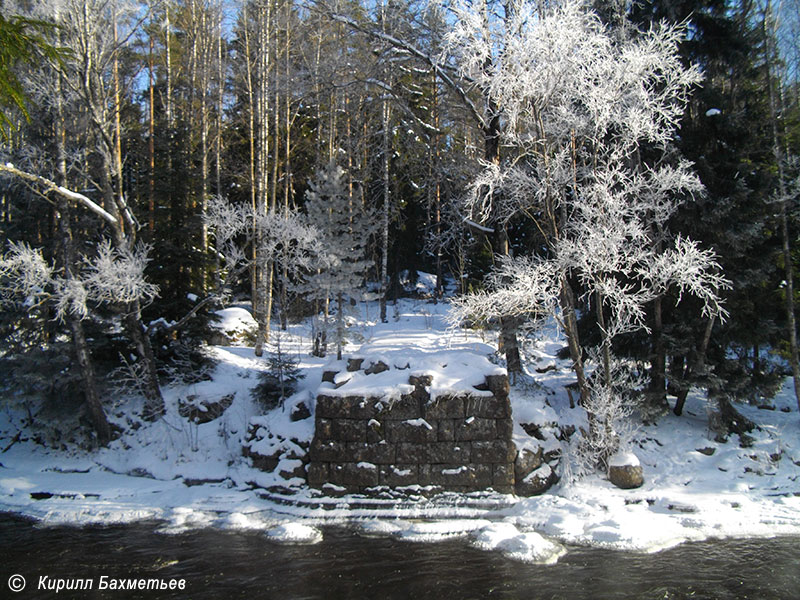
470	476
379	454
458	453
503	477
204	410
328	407
412	430
300	412
498	384
348	407
292	469
376	431
475	428
349	430
487	407
354	474
264	463
406	407
496	451
327	451
424	472
447	430
398	475
323	429
317	474
329	376
505	428
445	407
420	380
537	482
410	453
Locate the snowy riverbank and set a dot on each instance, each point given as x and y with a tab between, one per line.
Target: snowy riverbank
187	475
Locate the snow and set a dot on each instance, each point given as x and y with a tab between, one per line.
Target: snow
450	372
188	476
529	547
234	320
623	459
295	533
713	112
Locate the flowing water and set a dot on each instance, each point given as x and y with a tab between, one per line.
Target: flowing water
224	564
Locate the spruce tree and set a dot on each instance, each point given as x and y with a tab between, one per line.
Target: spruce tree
724	133
344	226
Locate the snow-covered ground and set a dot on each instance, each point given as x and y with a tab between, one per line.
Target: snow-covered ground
188	476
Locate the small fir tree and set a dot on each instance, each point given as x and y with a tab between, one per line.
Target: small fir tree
280	381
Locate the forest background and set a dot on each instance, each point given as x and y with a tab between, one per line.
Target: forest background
171	157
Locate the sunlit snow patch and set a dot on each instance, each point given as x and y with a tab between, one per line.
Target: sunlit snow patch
242	521
295	533
183	519
527	547
422	531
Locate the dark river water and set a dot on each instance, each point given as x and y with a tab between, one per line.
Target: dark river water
219	564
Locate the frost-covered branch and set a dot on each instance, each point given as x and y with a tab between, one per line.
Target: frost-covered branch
24	274
52	186
117	275
111	277
525	286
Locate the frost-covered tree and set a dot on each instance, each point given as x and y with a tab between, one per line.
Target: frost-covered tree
344	227
580	106
244	236
109	277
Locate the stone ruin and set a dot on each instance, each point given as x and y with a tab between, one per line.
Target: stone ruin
458	439
439	422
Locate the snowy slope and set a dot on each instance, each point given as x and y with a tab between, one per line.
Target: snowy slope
188	475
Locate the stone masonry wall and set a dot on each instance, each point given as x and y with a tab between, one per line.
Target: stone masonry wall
460	442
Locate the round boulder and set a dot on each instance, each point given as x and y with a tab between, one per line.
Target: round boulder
625	471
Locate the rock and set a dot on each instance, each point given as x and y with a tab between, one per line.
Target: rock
537	482
376	367
300	412
354	364
526	462
625	471
201	411
626	477
329	376
533	430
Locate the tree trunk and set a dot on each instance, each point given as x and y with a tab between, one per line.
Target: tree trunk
131	313
339	326
570	322
263	304
697	367
384	275
657	394
81	346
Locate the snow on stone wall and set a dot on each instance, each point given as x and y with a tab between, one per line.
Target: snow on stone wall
446	426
